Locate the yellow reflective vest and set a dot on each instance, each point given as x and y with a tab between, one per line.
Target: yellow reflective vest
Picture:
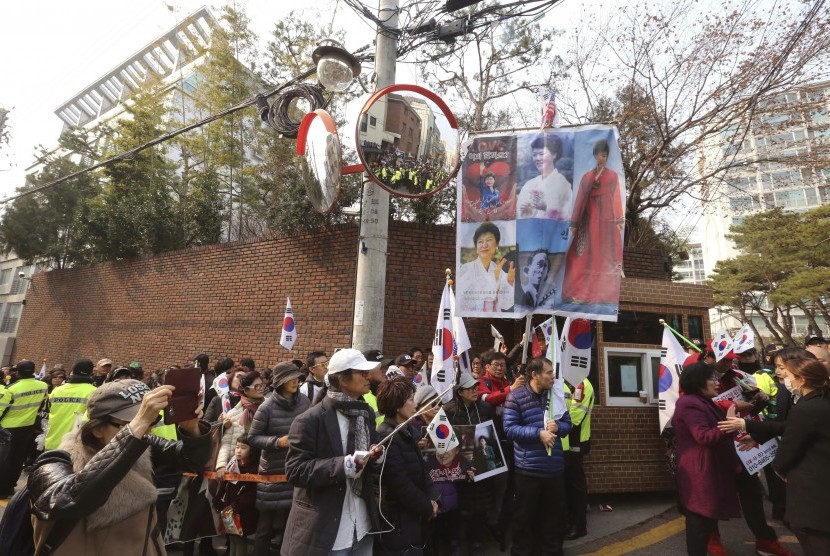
20	403
167	432
67	404
580	403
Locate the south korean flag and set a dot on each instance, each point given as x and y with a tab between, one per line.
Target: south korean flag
441	433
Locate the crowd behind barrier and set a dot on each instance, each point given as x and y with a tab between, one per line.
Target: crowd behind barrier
291	460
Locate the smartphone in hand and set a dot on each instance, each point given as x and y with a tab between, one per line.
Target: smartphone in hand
185	399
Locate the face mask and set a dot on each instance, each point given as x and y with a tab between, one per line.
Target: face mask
750	368
789	386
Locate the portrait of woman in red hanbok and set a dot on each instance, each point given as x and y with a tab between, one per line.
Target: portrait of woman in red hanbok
594	263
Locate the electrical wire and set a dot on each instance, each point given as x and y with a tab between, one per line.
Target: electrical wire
278	114
127	155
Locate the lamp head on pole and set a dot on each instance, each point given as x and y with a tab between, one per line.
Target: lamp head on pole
336	66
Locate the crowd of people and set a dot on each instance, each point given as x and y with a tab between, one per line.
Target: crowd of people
295	455
790	388
331	455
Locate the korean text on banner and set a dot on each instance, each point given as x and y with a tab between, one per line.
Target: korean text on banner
758	457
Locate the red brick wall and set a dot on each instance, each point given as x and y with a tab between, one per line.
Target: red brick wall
228	300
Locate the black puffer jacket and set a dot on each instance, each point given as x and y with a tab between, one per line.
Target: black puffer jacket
406	492
273	420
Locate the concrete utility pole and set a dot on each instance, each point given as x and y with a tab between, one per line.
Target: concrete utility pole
370	286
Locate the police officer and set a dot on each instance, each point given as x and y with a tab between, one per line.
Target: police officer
67	403
580	402
18	413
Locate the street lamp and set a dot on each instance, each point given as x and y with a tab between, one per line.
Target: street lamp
336	66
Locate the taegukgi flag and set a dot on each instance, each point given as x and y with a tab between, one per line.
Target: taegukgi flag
441	433
576	352
557	407
450	340
722	344
745	340
289	328
547	329
668	381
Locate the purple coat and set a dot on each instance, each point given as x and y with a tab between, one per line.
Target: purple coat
706	459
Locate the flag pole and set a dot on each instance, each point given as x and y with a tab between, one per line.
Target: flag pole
527	339
681	336
556	368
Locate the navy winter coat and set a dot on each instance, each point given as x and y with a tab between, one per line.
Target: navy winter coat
524	416
406	491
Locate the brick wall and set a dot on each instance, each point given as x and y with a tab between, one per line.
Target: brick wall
645	263
229	299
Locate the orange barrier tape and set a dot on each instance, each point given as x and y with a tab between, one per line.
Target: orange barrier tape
244	477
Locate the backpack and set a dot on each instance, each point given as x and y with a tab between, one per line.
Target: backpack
17	536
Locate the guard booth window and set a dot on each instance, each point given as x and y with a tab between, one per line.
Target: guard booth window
637	327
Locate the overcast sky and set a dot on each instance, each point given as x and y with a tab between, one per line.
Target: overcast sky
50	51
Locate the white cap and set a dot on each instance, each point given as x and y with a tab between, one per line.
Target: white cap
346	359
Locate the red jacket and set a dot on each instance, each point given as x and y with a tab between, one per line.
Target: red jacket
493	390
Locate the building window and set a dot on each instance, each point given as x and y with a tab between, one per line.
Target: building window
373	121
632	376
5	276
19	285
636	327
363	124
695	327
10	318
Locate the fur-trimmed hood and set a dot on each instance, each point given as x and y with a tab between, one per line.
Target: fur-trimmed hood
133	494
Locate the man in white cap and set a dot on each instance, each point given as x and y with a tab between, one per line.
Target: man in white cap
329	446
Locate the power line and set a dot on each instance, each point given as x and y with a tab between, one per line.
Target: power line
167	136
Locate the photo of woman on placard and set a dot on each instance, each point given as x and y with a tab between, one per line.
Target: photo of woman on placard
593	265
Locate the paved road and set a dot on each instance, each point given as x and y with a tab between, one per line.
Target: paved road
640	524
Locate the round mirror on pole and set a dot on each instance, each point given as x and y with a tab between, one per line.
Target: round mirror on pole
407	138
320	159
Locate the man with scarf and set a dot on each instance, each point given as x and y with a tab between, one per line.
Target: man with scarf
329	447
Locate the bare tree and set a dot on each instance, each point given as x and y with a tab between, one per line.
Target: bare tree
688	84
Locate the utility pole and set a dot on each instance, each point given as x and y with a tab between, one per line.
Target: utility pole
370	284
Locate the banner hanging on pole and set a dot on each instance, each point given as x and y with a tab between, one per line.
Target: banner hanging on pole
540	224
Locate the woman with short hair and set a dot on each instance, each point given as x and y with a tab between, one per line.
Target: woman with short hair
407	496
707	463
269	433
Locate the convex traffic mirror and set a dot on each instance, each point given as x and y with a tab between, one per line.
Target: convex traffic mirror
320	159
407	138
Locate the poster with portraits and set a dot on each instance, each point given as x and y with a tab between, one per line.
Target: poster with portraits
541	218
478	455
